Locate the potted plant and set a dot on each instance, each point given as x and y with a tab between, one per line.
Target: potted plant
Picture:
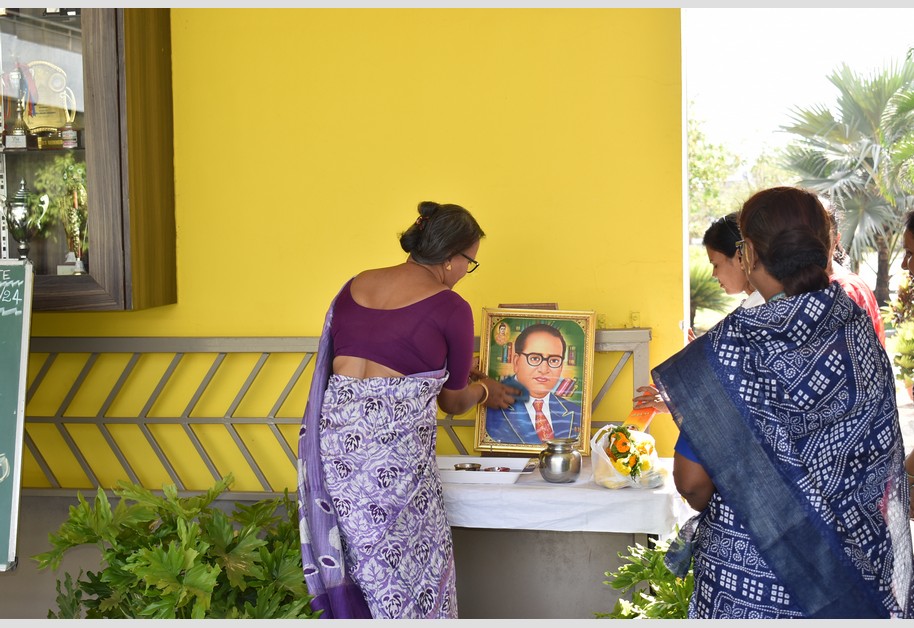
171	557
63	181
655	592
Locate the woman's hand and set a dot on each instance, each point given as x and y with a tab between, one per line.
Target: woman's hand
496	395
500	396
650	398
476	374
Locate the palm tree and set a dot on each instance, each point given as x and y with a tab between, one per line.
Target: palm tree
901	112
846	155
705	292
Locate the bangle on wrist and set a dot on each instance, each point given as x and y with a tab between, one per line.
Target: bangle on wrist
485	392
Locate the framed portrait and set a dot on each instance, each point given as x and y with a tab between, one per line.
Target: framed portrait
548	356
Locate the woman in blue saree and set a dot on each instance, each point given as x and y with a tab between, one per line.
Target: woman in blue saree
375	537
790	447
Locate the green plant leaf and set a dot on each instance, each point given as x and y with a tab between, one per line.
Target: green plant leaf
166	556
243	559
218	528
655	592
283	567
69	601
199	581
258	515
162	568
160	608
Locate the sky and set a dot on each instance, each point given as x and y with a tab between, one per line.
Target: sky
744	69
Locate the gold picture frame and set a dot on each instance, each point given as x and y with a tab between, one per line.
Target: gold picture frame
564	387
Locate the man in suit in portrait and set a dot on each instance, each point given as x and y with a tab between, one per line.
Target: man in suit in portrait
538	414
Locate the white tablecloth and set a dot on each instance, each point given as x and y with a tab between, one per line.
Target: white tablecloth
532	503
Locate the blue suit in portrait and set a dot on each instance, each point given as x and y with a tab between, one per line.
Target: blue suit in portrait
515	424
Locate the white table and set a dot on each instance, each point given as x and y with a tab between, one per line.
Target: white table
534	549
532	503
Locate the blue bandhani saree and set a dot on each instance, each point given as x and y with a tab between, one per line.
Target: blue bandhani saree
375	537
790	408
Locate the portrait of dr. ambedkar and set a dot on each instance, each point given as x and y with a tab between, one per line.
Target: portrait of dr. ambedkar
539	414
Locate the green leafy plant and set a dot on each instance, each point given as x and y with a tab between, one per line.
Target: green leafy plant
63	180
655	592
705	292
904	353
181	557
901	308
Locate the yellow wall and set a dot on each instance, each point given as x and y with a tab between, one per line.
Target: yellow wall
305	138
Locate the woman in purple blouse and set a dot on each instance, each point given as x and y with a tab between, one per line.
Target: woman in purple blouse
396	340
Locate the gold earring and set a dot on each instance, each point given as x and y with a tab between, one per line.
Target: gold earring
448	267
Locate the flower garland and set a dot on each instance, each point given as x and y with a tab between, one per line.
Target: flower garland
630	454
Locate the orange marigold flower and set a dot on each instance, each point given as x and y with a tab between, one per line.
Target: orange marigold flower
623	444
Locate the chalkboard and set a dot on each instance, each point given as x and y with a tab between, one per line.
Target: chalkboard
15	317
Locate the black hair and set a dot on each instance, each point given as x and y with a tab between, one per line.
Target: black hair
521	339
723	234
440	232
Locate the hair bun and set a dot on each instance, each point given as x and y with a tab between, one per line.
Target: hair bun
795	250
440	232
426	208
788	266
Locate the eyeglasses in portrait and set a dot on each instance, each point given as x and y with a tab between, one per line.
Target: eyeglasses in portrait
548	356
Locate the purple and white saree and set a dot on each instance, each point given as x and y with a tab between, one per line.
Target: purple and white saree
375	537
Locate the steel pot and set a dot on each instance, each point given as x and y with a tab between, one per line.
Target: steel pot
560	461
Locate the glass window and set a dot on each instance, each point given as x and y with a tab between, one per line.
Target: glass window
43	163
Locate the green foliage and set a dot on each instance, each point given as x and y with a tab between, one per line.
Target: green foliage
901	308
710	165
655	592
705	292
899	314
170	557
768	171
904	352
856	153
64	181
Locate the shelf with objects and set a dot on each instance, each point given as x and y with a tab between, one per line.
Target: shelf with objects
79	87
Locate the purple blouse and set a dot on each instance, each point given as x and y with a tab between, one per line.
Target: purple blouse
433	333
